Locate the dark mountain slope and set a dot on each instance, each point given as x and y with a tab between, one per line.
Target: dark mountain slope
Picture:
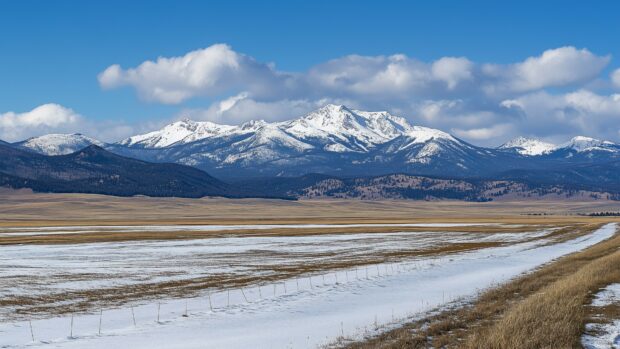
599	176
95	170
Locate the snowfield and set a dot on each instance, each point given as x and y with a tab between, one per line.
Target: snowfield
604	335
304	312
206	228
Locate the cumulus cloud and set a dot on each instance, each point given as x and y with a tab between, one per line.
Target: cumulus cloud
615	78
568	114
557	67
207	72
241	108
219	70
42	119
55	118
484	133
453	70
480	102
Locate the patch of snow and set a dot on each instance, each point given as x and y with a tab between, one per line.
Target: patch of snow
607	296
179	132
583	144
305	312
528	146
59	144
603	335
419	134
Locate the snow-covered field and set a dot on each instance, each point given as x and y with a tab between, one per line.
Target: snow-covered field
305	311
208	228
604	335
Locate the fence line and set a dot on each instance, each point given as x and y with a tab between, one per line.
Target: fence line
400	268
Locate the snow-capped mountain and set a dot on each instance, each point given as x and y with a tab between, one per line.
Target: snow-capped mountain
337	128
528	146
582	144
179	132
58	144
333	140
577	145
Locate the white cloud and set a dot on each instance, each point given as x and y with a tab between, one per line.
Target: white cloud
42	119
557	67
615	78
477	100
55	118
484	133
46	115
581	112
207	72
241	108
453	70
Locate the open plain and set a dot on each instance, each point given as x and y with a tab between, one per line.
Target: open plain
98	271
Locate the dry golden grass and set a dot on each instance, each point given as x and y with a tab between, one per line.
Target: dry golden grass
543	309
21	208
116	236
553	318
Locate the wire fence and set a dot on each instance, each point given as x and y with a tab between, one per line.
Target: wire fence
212	303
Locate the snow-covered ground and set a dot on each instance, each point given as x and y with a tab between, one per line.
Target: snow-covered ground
44	270
604	335
299	313
17	231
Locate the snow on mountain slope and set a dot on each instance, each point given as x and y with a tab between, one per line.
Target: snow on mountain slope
267	143
528	146
58	144
179	132
333	128
584	144
333	137
340	129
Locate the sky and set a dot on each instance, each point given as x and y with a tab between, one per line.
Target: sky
485	71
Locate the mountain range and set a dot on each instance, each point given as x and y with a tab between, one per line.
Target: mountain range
333	140
339	143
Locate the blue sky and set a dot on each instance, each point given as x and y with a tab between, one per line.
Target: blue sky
52	52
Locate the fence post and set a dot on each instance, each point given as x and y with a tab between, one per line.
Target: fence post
158	307
244	297
71	333
31	332
100	316
210	304
133	316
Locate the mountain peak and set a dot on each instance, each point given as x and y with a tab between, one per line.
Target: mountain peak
421	134
178	132
58	143
528	146
583	143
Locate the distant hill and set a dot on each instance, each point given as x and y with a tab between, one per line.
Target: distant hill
95	170
515	185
